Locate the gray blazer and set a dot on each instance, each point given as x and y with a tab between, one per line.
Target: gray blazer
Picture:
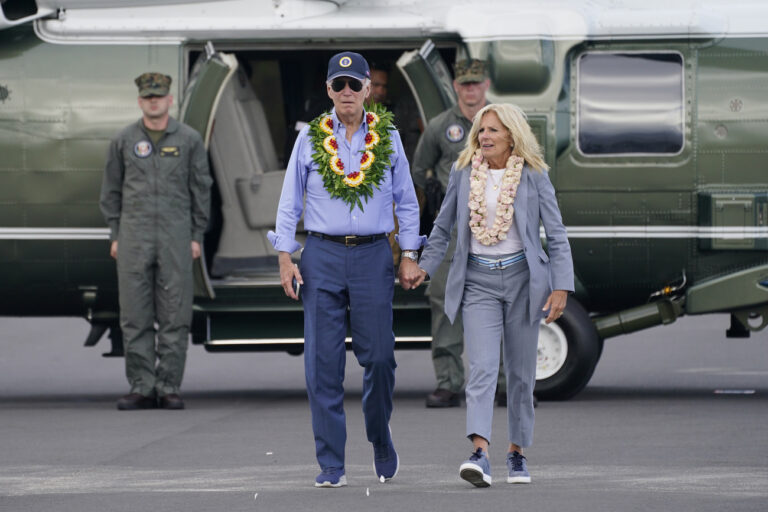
535	201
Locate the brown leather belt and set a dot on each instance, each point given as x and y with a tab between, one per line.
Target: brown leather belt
349	240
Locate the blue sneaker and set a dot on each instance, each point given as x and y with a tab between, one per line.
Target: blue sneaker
331	477
386	462
476	470
518	469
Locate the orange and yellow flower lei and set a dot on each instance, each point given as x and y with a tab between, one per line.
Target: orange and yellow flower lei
354	187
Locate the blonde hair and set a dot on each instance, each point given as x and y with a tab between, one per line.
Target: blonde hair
515	120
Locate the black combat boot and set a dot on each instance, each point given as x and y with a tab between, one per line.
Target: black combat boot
135	401
171	401
443	398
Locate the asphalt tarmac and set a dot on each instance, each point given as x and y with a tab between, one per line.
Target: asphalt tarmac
674	419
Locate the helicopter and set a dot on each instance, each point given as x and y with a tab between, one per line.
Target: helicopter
652	118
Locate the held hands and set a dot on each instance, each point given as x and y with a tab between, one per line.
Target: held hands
288	272
411	276
555	304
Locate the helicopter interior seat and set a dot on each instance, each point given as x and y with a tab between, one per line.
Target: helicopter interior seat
245	167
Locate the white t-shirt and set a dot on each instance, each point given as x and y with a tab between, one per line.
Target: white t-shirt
513	243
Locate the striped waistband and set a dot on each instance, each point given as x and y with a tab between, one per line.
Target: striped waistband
499	264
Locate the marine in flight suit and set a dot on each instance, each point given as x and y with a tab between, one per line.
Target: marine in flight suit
155	198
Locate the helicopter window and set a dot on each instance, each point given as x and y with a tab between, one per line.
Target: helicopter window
630	103
18	9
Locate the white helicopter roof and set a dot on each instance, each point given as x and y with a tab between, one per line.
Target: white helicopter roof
78	21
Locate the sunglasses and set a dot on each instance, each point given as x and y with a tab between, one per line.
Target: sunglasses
338	84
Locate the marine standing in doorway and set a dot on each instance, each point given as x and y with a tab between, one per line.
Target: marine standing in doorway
438	148
155	198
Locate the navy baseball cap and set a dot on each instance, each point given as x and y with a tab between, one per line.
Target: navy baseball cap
348	64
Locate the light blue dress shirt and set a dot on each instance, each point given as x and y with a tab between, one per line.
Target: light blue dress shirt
332	216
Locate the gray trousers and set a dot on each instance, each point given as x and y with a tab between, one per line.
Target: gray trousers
495	307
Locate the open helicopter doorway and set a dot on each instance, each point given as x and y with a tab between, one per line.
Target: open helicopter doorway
260	109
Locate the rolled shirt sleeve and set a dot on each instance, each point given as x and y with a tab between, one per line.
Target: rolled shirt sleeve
404	195
291	204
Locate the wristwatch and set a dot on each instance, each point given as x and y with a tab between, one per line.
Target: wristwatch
411	255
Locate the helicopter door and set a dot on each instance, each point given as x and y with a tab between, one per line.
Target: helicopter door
430	80
210	74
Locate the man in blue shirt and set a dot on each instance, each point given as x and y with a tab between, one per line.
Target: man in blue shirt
346	170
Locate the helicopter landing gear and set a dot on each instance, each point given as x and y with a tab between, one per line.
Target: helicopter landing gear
568	351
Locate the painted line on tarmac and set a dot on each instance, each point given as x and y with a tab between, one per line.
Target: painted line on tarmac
37	480
724	371
741	481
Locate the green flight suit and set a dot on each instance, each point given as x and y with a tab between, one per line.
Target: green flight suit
439	147
155	198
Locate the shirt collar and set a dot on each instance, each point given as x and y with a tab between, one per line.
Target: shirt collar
173	125
337	124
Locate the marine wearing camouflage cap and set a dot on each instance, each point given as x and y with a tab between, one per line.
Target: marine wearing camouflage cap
470	70
155	197
153	84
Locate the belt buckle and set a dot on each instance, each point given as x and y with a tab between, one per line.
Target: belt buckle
349	240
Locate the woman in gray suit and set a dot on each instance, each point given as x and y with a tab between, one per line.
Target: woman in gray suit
498	193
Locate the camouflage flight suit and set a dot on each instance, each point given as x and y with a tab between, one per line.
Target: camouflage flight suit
155	198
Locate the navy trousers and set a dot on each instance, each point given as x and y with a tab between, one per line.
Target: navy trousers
347	287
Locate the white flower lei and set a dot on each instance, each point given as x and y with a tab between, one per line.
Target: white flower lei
478	214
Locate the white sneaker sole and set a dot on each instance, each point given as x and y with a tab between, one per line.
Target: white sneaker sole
474	474
397	468
397	465
341	483
518	479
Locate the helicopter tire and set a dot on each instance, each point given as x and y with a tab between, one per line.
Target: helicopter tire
568	352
